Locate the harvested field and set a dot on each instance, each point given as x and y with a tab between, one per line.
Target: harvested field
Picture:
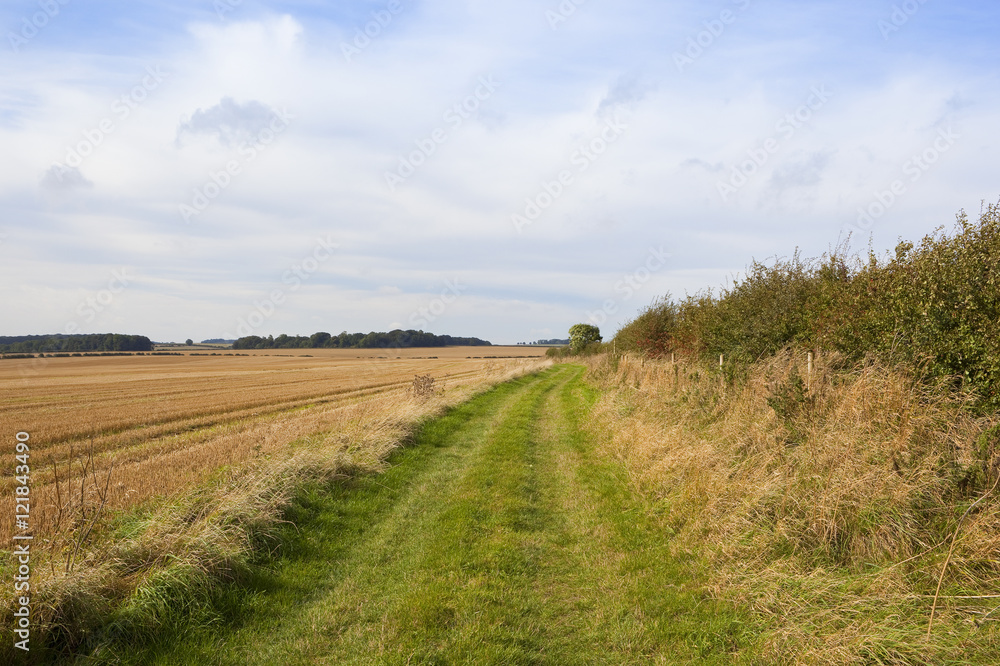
147	426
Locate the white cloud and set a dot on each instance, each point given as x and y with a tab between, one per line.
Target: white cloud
59	177
230	122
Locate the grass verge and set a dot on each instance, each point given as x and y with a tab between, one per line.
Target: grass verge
830	503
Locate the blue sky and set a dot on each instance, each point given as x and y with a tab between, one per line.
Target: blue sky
503	170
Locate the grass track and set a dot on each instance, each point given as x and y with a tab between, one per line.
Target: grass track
503	536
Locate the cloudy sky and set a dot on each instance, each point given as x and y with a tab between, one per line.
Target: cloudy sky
212	168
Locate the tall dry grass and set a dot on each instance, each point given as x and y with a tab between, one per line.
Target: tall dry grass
128	573
827	501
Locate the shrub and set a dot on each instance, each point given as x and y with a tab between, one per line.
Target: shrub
423	387
934	306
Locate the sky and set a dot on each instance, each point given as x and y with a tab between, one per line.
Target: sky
218	168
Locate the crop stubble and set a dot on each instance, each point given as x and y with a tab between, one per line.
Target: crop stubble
162	423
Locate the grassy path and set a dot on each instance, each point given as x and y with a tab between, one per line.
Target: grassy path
502	537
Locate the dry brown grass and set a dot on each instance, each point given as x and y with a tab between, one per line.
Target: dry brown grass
830	512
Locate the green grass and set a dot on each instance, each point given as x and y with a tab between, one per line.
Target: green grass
501	536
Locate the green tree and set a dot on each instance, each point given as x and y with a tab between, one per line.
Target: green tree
321	339
582	335
189	342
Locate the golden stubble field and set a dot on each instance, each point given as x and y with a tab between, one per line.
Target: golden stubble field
120	430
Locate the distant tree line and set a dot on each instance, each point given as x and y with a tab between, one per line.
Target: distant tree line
100	342
544	343
391	340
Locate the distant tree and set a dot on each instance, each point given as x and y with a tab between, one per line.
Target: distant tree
189	342
74	343
582	335
321	339
396	339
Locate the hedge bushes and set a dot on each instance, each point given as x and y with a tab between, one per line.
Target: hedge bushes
935	306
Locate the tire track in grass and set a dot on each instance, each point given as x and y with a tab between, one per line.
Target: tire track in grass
630	600
329	589
504	536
